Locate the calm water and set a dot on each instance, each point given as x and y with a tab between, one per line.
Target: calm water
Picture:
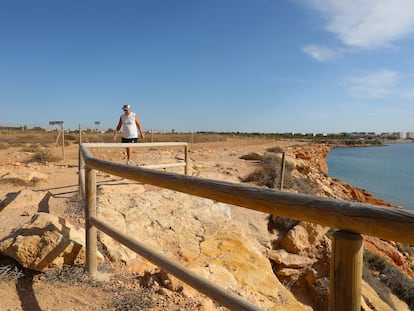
387	172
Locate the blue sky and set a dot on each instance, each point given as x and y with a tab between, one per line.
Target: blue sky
209	65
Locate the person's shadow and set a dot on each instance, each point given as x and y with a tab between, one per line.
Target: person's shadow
24	289
23	280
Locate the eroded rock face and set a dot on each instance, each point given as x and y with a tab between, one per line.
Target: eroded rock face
44	241
309	240
315	155
200	235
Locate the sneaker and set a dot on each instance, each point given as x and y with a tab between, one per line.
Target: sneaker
129	162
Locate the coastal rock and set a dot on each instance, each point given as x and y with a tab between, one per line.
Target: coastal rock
315	155
44	241
200	235
285	259
303	237
116	251
25	203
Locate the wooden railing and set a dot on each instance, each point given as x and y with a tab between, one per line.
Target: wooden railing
352	219
138	145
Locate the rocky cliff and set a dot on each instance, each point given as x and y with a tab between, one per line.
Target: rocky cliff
276	263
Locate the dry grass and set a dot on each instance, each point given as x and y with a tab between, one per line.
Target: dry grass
47	138
390	276
268	174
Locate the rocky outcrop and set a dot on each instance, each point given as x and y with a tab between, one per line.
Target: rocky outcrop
200	234
44	241
313	157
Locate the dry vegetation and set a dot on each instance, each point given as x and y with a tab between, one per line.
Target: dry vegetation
38	138
269	170
378	270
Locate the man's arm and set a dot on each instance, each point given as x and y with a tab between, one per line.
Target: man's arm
118	127
141	133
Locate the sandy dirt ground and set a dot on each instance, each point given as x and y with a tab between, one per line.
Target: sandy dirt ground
219	160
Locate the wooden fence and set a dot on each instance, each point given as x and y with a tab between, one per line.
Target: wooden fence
352	219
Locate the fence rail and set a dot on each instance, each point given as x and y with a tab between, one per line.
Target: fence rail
351	218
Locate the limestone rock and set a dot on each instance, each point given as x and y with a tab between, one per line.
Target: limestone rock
117	252
24	203
131	187
44	241
303	236
199	234
289	260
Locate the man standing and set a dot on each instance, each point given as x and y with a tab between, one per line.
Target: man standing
130	126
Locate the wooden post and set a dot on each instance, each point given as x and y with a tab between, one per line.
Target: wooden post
282	171
62	128
346	272
90	211
186	159
81	168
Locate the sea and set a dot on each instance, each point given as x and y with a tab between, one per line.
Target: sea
386	171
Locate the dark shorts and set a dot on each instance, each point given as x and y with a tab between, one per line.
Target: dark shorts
130	140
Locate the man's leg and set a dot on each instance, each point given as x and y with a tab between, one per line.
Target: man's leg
128	153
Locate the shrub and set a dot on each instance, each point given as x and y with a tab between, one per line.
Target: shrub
405	248
304	170
10	272
399	283
268	174
31	148
275	150
284	223
43	157
252	156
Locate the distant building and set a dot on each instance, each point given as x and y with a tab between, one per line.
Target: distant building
410	135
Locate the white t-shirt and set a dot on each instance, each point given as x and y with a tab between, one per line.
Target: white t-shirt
129	128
